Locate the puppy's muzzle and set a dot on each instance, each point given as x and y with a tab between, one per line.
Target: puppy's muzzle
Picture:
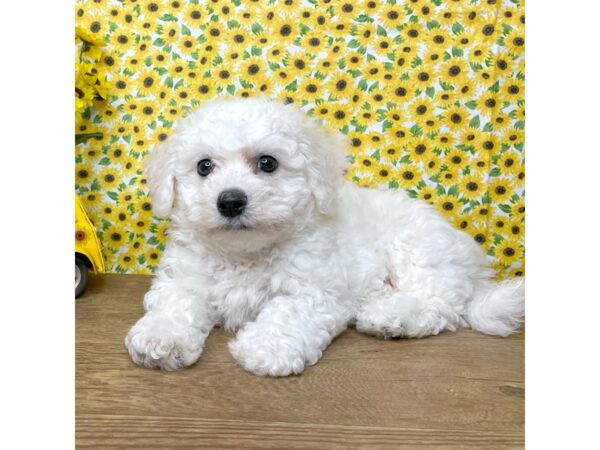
231	203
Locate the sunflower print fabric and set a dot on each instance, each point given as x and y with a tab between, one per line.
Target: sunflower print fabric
429	92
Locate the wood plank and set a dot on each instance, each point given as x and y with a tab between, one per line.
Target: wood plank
164	432
463	386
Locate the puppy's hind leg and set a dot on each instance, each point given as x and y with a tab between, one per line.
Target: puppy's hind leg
398	315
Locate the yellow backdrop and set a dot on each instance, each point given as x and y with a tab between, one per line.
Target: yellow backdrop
430	93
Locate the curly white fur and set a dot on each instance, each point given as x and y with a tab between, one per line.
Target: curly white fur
309	256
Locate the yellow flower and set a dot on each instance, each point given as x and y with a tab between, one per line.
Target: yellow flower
456	118
454	70
420	149
88	37
108	178
515	41
122	40
83	173
513	89
447	204
508	251
448	178
500	190
487	143
465	90
392	16
457	159
517	209
472	186
427	194
509	163
339	116
398	91
126	260
499	224
365	33
408	176
114	236
152	256
420	110
433	165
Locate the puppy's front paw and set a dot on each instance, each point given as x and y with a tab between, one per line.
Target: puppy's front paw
274	356
157	342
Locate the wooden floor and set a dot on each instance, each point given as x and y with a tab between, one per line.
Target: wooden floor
457	390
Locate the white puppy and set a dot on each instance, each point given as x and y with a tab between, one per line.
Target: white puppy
268	242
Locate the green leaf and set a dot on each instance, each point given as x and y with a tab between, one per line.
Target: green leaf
505	208
416	131
457	28
104	161
168	18
474	123
430	91
84	137
486	199
432	24
488	127
495	87
520	124
376	155
405	159
231	89
255	51
185	30
471	104
256	28
453	190
95	186
353	44
393	184
293	86
362	85
113	195
495	172
440	189
456	51
381	31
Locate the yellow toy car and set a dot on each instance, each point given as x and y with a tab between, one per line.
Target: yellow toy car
88	250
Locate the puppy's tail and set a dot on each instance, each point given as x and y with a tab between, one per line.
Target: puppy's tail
497	308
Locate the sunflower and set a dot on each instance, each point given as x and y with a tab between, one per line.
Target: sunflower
487	30
456	118
478	53
461	222
365	33
224	75
454	70
169	33
420	110
427	193
126	196
122	41
374	71
516	226
310	88
432	56
354	60
398	135
472	186
465	90
457	159
517	272
514	136
437	40
423	77
284	28
488	103
114	236
519	179
500	190
420	149
398	91
479	231
513	89
448	17
152	256
390	154
340	115
377	97
480	165
445	99
509	163
357	142
126	261
83	174
108	178
500	121
517	209
313	41
392	16
485	78
394	115
147	82
187	45
382	173
339	27
487	143
366	117
413	33
432	165
160	59
408	176
443	140
515	41
253	69
298	65
323	112
447	204
92	200
146	109
345	9
508	251
383	45
448	178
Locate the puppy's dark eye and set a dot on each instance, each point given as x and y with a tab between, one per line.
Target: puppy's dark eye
267	163
205	167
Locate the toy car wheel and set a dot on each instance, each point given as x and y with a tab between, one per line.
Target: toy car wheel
81	276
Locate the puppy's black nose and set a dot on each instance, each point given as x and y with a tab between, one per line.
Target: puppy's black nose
232	202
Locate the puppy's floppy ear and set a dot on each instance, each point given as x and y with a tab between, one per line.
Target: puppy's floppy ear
325	157
160	168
